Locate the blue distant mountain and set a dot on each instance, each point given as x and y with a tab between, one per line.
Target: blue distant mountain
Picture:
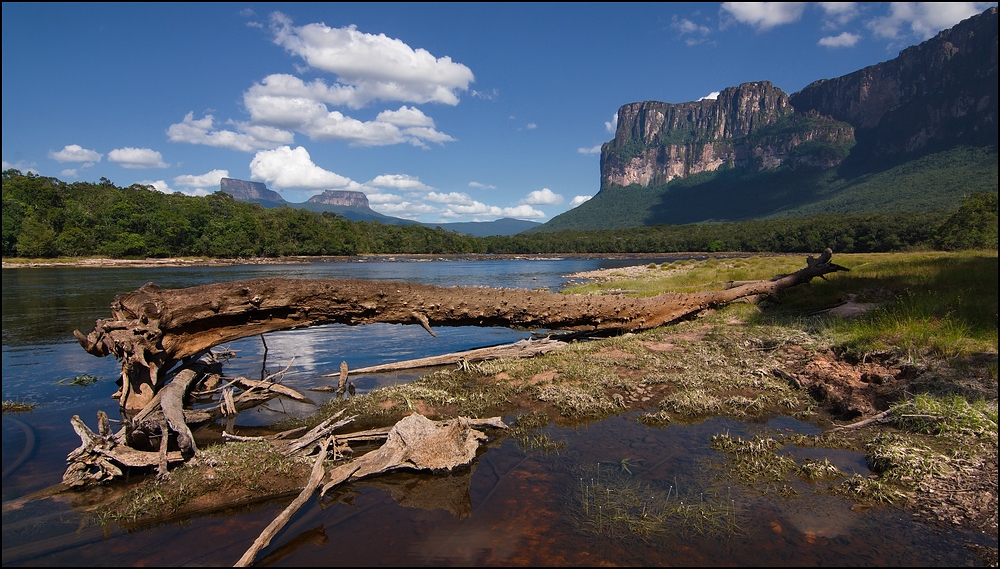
354	206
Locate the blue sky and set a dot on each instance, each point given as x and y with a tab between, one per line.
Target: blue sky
438	112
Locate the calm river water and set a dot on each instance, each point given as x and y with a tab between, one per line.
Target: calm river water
514	506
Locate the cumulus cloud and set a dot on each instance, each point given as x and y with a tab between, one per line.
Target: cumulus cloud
373	67
612	125
710	97
246	138
293	169
76	153
480	209
406	116
923	19
401	182
480	186
531	126
838	13
764	15
590	151
845	39
579	200
67	173
207	180
451	198
158	185
286	102
20	165
543	196
129	157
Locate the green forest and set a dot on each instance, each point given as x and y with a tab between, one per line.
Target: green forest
44	217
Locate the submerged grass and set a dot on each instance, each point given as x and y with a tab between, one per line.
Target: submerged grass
611	503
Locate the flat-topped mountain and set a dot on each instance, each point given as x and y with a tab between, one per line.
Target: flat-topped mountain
916	133
343	198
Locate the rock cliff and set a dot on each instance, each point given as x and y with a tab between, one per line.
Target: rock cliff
934	96
937	94
249	191
751	126
340	198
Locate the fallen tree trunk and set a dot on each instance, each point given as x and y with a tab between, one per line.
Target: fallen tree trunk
152	329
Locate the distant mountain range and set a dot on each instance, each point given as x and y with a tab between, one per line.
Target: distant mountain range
354	206
916	133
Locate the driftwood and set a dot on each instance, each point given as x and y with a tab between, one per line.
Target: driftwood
519	349
415	442
102	455
151	329
418	443
315	477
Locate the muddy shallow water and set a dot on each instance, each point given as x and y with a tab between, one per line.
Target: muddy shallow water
516	506
615	492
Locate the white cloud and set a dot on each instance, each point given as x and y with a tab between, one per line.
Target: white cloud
845	39
402	182
67	173
129	157
382	198
405	209
293	169
543	196
838	13
692	33
252	137
76	153
162	186
531	126
406	116
764	15
286	102
481	209
590	151
20	165
207	180
451	198
158	185
370	67
612	125
477	185
923	19
491	95
579	200
710	97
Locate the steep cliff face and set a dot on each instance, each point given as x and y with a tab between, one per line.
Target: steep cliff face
936	94
249	191
340	198
752	125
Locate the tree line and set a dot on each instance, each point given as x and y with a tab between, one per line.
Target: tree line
44	217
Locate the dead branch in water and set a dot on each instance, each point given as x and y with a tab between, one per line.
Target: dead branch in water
152	329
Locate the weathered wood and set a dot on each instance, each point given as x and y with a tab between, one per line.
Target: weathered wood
519	349
172	404
418	443
315	477
151	329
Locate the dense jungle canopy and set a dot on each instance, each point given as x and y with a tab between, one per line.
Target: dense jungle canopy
44	217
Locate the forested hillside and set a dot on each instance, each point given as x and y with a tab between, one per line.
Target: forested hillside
45	217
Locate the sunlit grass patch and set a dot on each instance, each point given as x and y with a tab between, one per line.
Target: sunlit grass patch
242	467
947	415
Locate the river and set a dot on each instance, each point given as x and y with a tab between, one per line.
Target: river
514	506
